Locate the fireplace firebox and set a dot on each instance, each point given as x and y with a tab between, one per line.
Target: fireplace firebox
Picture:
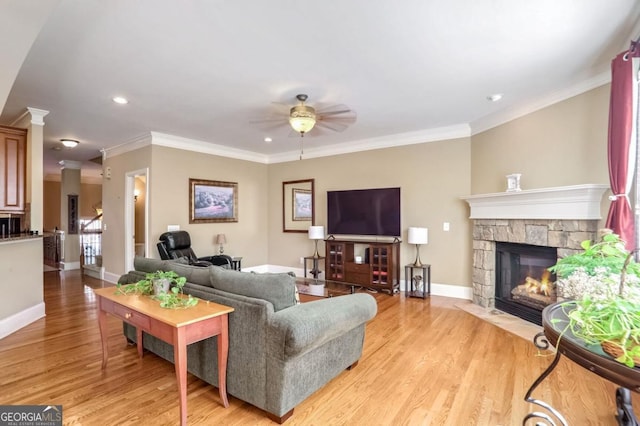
524	286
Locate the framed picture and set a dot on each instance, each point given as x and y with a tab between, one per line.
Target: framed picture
297	205
72	212
301	204
212	201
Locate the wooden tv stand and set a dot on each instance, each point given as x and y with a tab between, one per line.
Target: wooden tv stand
380	271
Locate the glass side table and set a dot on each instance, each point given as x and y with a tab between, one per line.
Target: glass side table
417	285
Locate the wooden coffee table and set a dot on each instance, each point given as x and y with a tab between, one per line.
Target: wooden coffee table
178	327
324	288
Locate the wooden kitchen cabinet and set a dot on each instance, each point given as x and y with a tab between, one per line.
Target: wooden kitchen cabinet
13	154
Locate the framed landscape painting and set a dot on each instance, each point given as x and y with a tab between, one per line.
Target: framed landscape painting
212	201
301	204
297	205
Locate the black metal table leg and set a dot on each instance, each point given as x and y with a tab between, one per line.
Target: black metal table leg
625	414
541	342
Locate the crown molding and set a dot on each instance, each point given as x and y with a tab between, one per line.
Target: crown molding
171	141
400	139
501	117
131	145
37	115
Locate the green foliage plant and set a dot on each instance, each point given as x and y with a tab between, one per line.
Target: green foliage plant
611	318
608	254
615	320
173	299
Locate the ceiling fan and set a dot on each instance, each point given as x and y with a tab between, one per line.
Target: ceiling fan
302	118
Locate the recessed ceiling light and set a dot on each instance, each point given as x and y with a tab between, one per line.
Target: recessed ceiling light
120	100
69	143
268	139
495	97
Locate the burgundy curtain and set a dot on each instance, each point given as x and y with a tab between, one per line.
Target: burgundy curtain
622	142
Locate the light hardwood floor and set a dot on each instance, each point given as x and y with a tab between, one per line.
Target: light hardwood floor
425	362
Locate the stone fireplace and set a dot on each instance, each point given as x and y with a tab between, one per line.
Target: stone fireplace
559	218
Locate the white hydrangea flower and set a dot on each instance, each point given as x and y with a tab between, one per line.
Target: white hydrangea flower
603	285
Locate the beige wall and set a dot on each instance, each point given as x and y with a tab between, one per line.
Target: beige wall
22	285
168	201
90	195
432	176
113	192
169	193
563	144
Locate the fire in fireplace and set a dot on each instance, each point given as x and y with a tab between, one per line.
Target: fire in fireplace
524	286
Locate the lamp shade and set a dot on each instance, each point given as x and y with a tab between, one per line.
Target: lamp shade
221	239
418	235
316	232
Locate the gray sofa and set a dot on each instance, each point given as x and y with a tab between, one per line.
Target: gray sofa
280	351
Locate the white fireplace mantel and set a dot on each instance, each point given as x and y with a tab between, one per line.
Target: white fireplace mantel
577	202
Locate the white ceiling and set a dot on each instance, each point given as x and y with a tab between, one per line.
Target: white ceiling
204	69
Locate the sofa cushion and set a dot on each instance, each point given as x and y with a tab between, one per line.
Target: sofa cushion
193	274
278	289
146	264
132	277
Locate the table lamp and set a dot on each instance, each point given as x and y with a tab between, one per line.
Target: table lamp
418	236
316	233
221	239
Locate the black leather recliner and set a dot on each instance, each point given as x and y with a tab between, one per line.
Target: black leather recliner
177	244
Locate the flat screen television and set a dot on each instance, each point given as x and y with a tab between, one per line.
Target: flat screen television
364	212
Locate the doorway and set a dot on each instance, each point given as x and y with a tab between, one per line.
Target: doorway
136	229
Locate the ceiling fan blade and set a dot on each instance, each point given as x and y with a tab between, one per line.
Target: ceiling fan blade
344	119
335	108
283	120
332	125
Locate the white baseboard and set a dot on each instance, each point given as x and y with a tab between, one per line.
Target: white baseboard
446	290
69	266
110	276
94	271
449	290
23	318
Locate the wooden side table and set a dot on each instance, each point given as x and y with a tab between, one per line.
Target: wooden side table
316	266
178	327
411	288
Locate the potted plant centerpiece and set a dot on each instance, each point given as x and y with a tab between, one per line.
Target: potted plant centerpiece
165	286
602	284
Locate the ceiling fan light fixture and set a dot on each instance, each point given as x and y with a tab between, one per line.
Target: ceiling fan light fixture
302	118
69	143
